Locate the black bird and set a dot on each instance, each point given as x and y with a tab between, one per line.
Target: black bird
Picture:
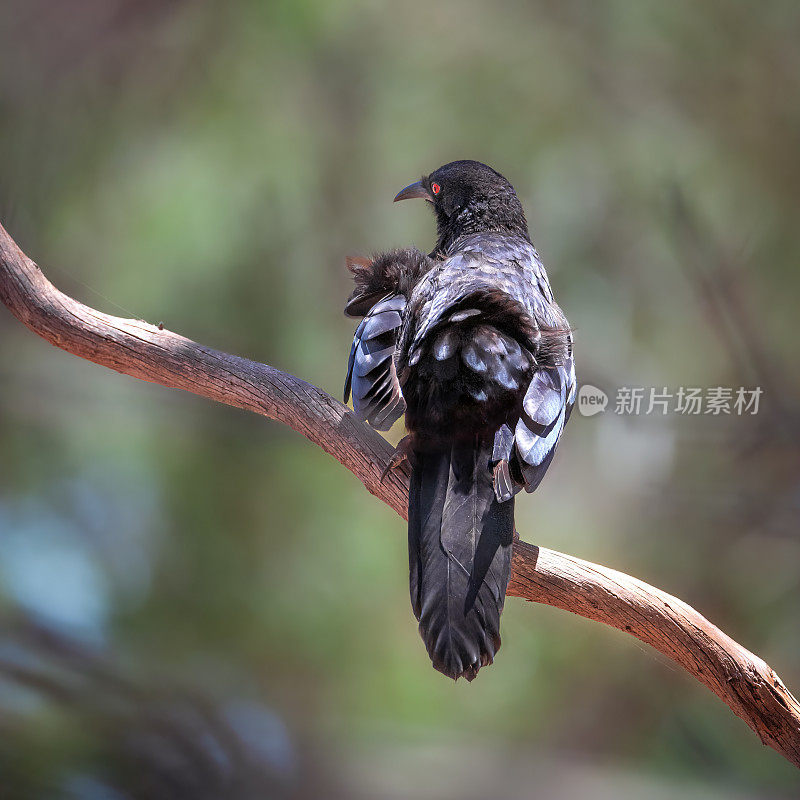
469	343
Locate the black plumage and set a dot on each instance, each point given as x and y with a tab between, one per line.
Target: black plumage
469	343
459	538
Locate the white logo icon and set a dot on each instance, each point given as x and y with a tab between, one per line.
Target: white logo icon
591	400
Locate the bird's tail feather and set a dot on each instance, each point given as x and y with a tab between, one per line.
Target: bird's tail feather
459	542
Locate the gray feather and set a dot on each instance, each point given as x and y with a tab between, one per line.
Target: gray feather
371	373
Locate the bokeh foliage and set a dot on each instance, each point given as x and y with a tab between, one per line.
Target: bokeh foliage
209	166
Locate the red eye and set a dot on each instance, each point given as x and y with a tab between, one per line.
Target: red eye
435	188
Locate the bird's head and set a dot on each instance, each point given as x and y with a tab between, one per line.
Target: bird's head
468	197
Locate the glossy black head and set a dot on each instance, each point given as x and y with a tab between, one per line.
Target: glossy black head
469	197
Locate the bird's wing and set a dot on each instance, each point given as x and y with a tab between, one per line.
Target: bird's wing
371	373
515	269
502	275
545	410
506	280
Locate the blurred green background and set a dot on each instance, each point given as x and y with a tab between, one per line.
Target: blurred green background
197	602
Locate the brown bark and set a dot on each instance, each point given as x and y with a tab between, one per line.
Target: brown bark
738	677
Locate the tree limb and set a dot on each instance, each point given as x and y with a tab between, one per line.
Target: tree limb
738	677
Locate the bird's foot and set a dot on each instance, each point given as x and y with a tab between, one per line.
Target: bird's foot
402	454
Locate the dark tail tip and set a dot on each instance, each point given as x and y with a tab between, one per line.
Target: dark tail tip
464	659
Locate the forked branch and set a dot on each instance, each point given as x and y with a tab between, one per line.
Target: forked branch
742	680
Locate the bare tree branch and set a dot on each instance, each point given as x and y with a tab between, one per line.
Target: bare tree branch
739	678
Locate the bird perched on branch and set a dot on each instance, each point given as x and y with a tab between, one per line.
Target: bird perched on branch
468	343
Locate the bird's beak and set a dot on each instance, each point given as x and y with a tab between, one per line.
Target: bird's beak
414	190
